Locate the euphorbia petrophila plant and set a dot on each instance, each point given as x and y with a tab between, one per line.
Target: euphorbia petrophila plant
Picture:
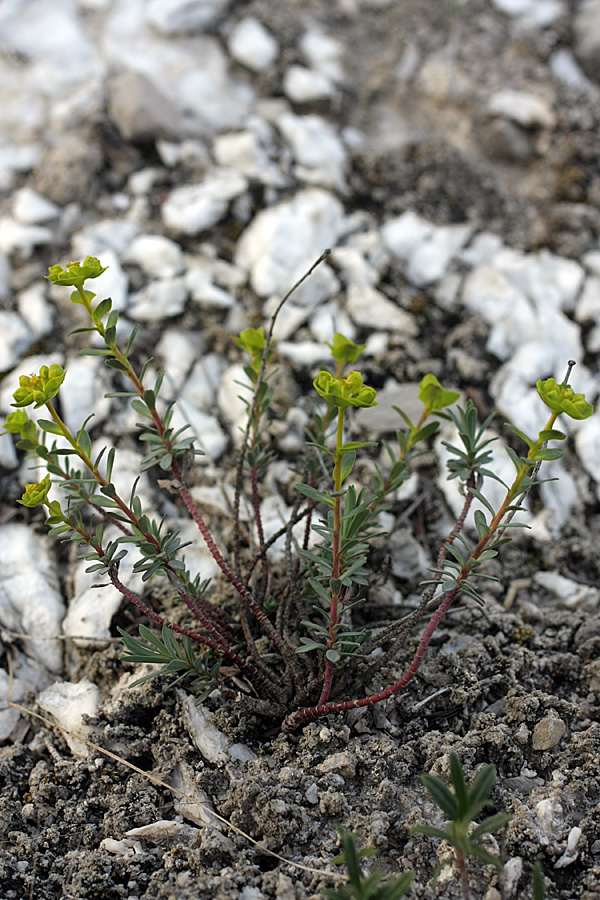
314	659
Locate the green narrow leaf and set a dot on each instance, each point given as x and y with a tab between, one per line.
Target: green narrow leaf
458	783
140	407
547	454
479	496
520	434
442	795
103	307
110	459
84	441
347	464
313	494
50	427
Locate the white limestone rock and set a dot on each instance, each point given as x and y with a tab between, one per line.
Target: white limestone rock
140	110
366	306
533	13
252	45
317	149
231	405
30	208
35	310
194	208
159	300
245	152
587	37
302	85
68	703
30	599
427	249
200	388
203	292
208	434
587	442
522	107
209	740
323	54
571	593
178	351
15	339
156	255
22	238
282	241
82	392
179	17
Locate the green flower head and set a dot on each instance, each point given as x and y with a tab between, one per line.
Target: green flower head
36	494
562	399
252	340
344	350
39	389
76	273
347	391
16	421
432	394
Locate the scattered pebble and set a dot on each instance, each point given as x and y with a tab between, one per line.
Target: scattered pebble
194	208
282	241
522	107
302	85
252	45
68	703
548	732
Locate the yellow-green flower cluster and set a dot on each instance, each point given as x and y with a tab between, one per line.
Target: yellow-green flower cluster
39	389
76	273
433	396
345	350
349	390
36	494
562	399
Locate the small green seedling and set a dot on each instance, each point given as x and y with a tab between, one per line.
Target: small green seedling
364	887
462	806
538	888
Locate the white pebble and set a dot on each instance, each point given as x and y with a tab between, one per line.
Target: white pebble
571	853
427	249
303	85
83	390
367	306
572	594
317	149
23	238
282	241
156	255
28	570
15	339
35	309
159	300
209	740
179	17
68	703
252	45
523	108
323	54
194	208
30	208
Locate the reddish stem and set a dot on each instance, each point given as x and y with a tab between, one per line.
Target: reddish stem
309	714
253	674
229	575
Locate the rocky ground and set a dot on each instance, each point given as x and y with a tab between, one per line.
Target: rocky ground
208	152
